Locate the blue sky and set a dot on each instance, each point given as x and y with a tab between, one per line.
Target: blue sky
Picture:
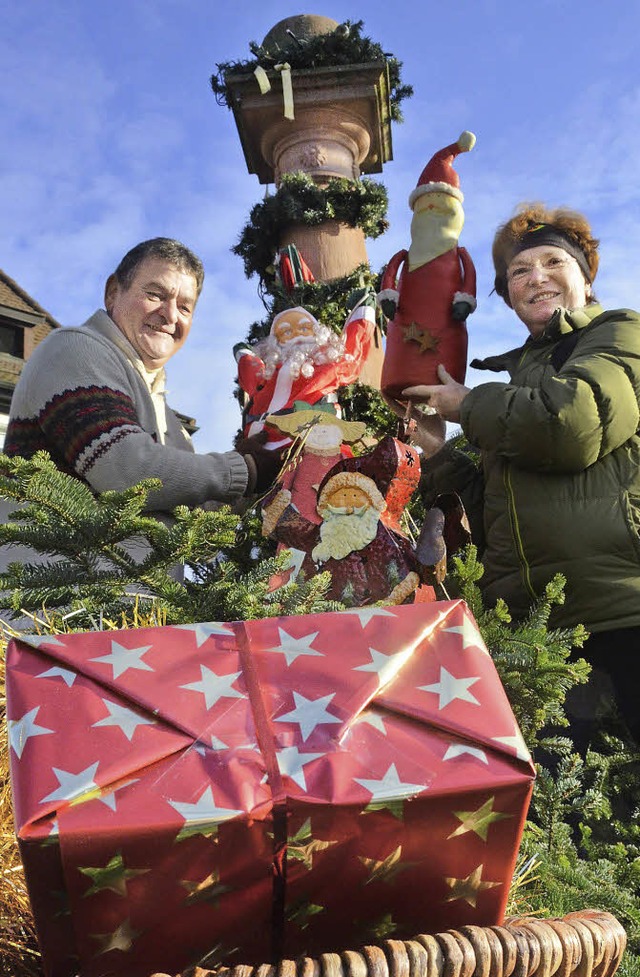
111	135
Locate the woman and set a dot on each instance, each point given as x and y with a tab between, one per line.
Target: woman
559	445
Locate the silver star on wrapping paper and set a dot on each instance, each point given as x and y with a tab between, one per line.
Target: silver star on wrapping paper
72	784
390	786
35	640
21	730
292	647
214	687
516	742
374	719
385	666
291	761
309	713
449	688
121	659
204	811
366	613
217	745
459	749
204	631
122	938
67	676
125	719
471	637
109	798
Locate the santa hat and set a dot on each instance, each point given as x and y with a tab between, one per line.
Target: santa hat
304	416
350	479
439	174
389	475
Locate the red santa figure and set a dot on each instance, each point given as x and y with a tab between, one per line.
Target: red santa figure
436	291
301	359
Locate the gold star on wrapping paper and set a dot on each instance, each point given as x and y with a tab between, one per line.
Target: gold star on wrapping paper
209	831
424	339
478	821
469	888
112	876
301	912
61	897
379	929
303	846
395	807
121	939
387	869
208	890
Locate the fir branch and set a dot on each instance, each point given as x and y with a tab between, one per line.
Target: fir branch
532	660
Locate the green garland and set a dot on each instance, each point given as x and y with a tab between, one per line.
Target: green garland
344	46
298	200
330	302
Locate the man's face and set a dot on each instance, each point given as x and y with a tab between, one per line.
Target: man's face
155	312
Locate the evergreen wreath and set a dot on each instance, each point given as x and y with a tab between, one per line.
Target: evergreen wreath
343	46
330	302
298	200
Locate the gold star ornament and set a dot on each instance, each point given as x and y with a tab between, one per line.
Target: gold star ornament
424	339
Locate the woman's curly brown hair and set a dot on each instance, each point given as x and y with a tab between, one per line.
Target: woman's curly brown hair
528	216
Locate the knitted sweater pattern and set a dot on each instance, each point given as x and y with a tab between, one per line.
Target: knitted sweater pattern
82	398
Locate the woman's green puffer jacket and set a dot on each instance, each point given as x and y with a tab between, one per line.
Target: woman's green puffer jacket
561	464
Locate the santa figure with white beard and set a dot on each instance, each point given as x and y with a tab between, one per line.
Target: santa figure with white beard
359	540
429	305
301	360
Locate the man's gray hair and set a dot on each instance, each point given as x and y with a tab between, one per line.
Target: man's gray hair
159	247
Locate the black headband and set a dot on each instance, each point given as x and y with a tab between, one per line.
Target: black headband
550	235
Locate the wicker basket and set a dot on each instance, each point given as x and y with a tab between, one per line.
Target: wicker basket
583	944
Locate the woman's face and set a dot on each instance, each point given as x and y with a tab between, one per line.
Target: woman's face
541	280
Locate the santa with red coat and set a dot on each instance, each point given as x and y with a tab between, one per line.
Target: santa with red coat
428	307
301	360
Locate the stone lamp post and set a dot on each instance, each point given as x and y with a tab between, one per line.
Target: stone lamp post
341	128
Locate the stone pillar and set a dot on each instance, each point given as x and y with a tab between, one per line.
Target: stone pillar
341	129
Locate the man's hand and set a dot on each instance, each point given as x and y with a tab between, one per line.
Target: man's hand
445	397
264	464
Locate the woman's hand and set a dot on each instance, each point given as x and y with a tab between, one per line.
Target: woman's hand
428	431
445	397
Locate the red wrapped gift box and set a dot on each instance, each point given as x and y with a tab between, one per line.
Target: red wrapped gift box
284	786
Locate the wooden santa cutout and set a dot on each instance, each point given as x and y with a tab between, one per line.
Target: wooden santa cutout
354	534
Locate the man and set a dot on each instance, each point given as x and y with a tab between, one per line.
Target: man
93	395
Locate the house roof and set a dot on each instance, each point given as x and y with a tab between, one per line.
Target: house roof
13	297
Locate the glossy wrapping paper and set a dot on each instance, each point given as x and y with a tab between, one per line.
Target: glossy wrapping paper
262	789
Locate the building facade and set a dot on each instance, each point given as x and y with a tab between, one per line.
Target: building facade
23	324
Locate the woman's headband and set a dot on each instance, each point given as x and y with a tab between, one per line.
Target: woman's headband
547	234
536	237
